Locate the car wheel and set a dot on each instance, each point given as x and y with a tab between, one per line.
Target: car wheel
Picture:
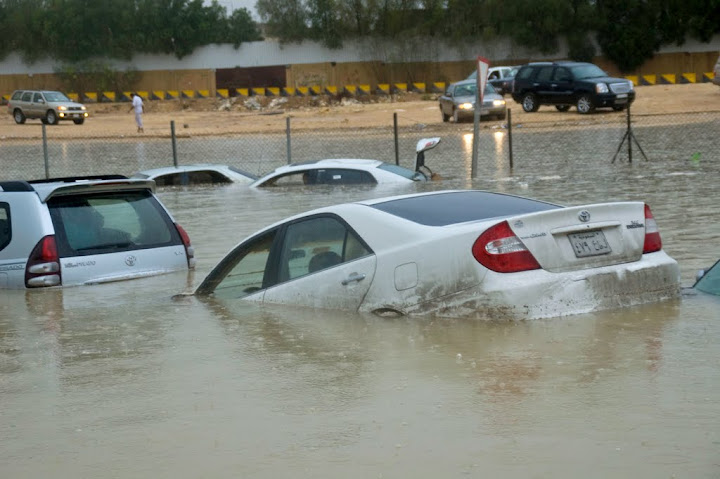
562	107
19	117
585	105
79	122
529	102
445	117
51	117
619	107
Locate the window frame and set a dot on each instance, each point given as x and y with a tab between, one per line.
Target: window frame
6	207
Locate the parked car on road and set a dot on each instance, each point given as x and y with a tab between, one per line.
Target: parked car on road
566	84
453	253
48	106
349	171
73	231
196	174
503	84
495	73
458	102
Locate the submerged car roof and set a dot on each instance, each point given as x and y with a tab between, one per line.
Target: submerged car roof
165	170
48	188
331	162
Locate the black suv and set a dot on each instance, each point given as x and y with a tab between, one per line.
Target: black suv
565	84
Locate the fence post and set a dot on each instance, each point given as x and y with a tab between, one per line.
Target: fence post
174	142
395	134
510	150
45	152
629	129
287	134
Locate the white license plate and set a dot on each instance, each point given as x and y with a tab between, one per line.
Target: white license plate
590	243
621	96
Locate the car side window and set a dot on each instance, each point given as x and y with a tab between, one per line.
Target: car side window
298	178
17	95
562	74
544	74
338	176
27	96
37	98
243	272
316	244
5	226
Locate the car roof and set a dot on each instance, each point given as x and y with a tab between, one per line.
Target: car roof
51	187
166	170
357	163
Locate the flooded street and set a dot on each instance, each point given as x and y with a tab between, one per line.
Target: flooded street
120	380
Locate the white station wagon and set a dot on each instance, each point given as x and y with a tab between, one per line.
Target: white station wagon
453	253
197	174
73	231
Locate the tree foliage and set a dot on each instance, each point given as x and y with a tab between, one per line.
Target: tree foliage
627	31
76	30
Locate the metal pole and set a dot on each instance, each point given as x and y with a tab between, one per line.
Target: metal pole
174	142
395	133
629	135
287	134
509	119
45	152
476	132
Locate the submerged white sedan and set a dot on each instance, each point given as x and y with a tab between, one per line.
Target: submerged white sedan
454	253
350	171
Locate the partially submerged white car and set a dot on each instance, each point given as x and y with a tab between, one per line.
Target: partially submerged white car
201	173
453	253
86	230
349	171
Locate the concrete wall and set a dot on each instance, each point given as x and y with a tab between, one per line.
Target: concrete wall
368	62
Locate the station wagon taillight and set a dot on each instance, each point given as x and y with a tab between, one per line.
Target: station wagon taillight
43	266
652	233
498	249
189	250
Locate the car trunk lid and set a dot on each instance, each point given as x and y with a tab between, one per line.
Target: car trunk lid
584	236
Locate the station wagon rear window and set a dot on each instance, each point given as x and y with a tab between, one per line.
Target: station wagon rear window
460	206
110	222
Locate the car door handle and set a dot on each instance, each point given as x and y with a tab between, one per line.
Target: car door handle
353	278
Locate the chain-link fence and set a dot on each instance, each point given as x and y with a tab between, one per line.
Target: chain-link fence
523	142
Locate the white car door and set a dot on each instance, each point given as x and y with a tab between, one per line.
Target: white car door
322	263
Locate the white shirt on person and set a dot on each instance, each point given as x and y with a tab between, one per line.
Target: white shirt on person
137	104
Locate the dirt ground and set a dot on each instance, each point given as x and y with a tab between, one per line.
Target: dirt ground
216	117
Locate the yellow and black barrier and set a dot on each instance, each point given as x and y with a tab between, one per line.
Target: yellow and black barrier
352	90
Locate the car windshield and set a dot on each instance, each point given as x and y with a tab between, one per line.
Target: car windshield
401	171
587	71
55	96
460	206
710	281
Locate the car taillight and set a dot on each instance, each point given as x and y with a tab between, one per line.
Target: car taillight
498	249
43	266
652	233
189	250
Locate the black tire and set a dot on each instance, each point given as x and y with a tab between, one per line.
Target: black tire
585	105
19	116
445	117
79	122
51	117
529	102
562	107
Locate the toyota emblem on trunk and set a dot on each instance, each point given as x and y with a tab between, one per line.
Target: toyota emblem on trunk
584	216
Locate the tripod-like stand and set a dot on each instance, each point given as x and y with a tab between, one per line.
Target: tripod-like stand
629	136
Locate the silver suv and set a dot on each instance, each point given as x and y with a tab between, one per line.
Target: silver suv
73	231
49	106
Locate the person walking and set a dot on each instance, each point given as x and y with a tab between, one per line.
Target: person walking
137	105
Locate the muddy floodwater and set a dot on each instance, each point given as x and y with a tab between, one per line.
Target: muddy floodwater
123	381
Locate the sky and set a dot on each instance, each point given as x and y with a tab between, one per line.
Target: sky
233	4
